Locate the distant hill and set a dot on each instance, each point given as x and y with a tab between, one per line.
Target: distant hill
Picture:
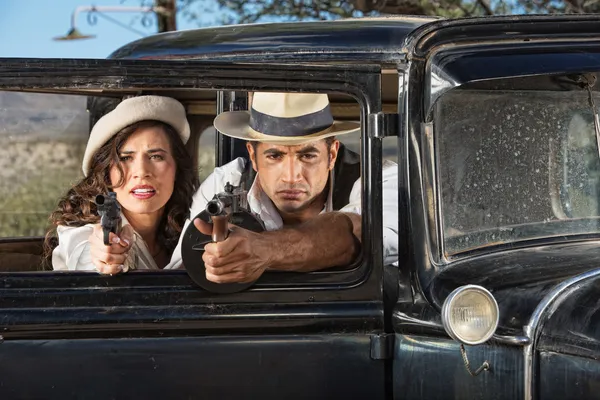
44	116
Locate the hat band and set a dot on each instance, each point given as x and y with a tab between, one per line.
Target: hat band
289	127
286	139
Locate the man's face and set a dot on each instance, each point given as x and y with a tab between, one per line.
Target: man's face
294	177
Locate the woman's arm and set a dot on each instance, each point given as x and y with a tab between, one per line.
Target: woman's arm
73	250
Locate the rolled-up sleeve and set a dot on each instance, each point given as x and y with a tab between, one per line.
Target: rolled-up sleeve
73	250
389	209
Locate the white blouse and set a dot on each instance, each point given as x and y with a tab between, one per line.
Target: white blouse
73	251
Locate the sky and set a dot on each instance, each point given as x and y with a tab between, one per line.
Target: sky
28	27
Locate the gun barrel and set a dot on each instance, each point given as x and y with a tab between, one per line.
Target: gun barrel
100	200
215	207
109	211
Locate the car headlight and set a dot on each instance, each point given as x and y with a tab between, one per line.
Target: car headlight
470	314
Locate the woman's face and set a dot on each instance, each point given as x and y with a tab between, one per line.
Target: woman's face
149	172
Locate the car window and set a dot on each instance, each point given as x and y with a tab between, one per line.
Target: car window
42	140
206	152
581	168
390	145
515	165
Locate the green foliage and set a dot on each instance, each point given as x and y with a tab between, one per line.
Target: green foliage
34	175
25	211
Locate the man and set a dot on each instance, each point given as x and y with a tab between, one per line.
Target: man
310	212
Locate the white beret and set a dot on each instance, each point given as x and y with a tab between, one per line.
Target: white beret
130	111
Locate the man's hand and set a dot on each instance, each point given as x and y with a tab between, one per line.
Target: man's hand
328	240
242	257
109	260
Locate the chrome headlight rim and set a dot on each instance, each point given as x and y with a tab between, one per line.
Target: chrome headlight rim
447	308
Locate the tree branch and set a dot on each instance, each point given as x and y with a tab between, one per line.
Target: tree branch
486	7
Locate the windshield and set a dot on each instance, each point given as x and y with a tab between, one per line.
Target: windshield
516	165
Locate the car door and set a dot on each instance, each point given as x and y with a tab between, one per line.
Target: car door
157	334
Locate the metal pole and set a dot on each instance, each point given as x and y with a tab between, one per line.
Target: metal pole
81	9
166	15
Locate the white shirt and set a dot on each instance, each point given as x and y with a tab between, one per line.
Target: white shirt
262	205
73	251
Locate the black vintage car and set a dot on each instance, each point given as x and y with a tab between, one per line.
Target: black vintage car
494	125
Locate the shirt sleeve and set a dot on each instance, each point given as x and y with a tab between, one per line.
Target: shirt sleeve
73	250
213	184
389	209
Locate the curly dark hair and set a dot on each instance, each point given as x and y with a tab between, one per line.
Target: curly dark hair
77	207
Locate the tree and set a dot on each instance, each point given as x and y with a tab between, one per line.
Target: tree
227	12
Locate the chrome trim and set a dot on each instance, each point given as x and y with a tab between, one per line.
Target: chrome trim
437	82
431	193
532	329
518	340
446	313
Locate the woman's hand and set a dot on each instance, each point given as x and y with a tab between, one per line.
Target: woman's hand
110	259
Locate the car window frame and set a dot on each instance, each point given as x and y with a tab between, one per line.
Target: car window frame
121	77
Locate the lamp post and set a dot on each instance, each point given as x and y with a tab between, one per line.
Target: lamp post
164	10
167	17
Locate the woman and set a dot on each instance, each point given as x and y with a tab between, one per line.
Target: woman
137	150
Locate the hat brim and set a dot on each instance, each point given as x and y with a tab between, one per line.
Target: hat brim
236	124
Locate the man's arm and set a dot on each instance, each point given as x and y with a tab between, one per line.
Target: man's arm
330	239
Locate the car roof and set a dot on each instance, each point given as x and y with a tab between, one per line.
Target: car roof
356	40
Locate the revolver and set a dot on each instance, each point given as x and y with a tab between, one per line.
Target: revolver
109	210
222	206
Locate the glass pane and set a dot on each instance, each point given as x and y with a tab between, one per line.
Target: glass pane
581	194
515	165
206	153
42	140
390	145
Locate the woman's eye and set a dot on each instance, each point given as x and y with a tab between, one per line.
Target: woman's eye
124	158
157	157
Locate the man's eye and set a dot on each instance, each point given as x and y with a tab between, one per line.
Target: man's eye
274	156
308	156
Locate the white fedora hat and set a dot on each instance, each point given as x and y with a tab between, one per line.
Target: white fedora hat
284	118
130	111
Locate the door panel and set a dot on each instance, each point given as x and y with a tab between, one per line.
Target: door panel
224	367
156	334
